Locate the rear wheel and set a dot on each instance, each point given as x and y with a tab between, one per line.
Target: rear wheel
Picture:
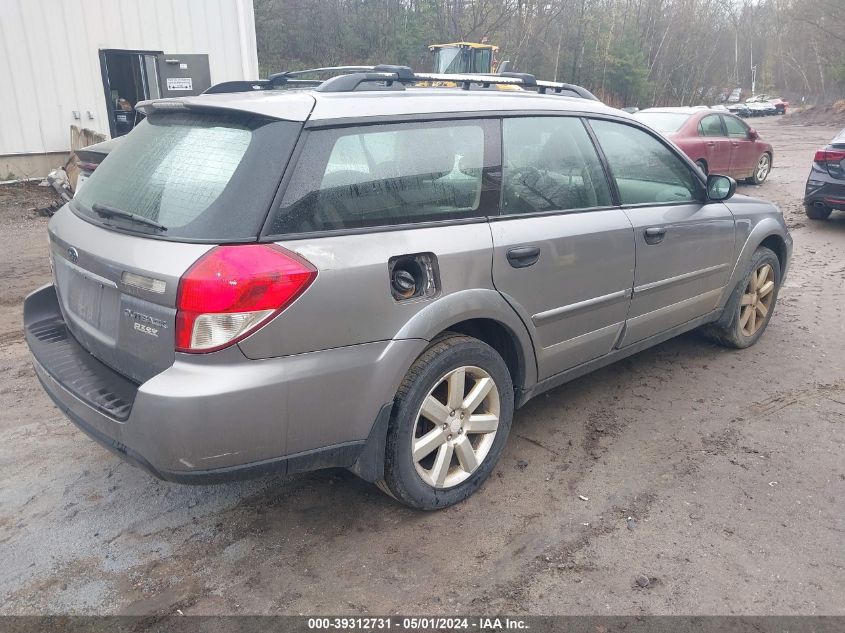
817	211
450	422
750	307
761	170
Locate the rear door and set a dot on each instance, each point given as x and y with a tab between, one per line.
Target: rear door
717	146
684	245
562	255
743	154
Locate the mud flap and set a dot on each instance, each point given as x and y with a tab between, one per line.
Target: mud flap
370	463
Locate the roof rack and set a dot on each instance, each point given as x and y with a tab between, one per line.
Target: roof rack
289	78
350	78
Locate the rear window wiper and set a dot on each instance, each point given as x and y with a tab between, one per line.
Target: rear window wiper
105	211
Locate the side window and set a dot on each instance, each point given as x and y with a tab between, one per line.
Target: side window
710	126
736	128
382	175
550	164
645	170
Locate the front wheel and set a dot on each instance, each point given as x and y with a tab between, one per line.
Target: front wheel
761	170
450	422
750	307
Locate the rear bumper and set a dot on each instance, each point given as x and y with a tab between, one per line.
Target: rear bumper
823	188
220	416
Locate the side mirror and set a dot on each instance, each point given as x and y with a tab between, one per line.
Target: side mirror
753	135
720	188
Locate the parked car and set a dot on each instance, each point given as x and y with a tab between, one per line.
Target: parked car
374	278
780	105
735	96
758	98
825	190
739	109
761	108
769	109
718	142
91	156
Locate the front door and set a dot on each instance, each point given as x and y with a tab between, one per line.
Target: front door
684	245
563	257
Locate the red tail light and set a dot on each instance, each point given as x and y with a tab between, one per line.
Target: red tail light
231	291
829	155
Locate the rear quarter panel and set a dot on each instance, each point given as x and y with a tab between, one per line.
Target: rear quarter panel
350	301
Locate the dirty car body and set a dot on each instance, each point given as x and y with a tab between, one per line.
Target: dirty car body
825	189
157	336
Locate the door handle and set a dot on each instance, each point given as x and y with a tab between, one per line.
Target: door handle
523	256
711	144
654	234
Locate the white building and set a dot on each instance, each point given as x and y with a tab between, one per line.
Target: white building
85	63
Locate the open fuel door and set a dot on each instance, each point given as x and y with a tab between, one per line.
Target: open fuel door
182	75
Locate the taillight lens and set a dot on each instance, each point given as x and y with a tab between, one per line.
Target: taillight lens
829	156
231	291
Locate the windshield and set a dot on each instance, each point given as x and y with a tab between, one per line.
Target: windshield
449	60
663	121
206	177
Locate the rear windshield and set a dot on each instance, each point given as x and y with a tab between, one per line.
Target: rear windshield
199	177
663	121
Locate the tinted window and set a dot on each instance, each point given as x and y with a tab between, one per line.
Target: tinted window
663	121
385	174
205	177
736	128
710	126
645	169
550	164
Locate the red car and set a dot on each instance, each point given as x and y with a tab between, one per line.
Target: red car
719	142
780	105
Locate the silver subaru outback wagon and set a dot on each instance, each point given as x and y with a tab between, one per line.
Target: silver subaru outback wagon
366	274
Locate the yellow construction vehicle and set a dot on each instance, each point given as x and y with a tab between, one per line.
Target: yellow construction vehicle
463	58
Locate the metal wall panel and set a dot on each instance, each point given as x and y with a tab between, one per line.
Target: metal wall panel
50	64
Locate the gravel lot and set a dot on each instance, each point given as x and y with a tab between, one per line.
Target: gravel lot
729	464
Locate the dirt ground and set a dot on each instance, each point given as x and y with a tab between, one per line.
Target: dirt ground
719	475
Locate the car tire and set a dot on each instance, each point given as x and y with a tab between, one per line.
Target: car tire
424	479
702	165
820	212
752	299
761	169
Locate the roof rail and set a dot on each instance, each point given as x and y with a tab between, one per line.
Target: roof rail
277	80
350	78
559	88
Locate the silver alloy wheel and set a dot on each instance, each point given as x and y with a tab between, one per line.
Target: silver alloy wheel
763	166
757	301
456	426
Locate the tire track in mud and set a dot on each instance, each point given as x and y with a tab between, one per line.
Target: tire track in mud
8	338
765	408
